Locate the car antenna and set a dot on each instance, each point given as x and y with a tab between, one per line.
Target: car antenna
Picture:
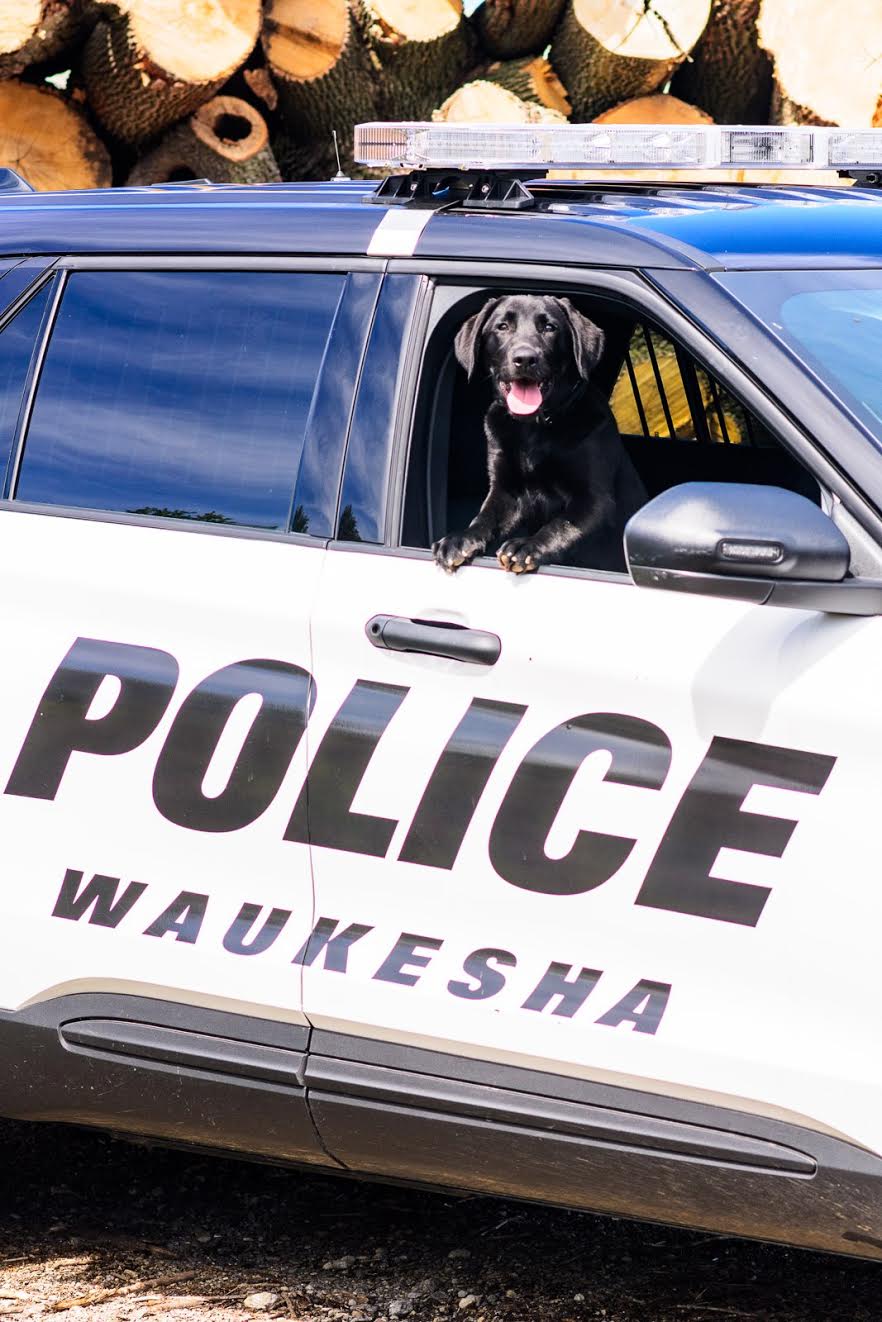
339	177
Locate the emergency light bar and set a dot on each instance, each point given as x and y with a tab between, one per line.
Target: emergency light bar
424	146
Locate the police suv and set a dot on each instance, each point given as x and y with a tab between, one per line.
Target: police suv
561	885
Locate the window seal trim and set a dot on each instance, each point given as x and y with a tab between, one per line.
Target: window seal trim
161	524
213	262
29	394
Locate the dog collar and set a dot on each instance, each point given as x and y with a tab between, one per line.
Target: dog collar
578	390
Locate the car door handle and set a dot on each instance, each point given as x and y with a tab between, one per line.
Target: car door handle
434	638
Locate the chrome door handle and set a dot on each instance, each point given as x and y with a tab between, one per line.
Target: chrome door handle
434	638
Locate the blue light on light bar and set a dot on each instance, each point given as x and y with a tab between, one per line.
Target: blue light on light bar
420	146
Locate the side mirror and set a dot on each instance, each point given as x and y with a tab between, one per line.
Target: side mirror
747	542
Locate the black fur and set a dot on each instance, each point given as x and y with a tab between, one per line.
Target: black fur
559	477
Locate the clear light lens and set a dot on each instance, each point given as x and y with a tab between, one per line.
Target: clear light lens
415	146
854	147
772	148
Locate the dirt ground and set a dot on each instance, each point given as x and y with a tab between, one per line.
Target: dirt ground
95	1229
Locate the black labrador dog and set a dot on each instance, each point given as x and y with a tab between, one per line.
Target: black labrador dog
559	474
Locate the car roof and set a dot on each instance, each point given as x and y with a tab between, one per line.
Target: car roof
708	226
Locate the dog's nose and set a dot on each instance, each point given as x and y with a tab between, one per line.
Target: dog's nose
524	360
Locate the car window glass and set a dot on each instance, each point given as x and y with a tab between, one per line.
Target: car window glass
651	396
182	394
17	341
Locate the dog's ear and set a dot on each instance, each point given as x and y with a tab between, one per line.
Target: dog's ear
588	339
467	344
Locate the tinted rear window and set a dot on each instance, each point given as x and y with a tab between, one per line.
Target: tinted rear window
181	394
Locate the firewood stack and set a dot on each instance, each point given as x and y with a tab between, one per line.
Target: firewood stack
94	92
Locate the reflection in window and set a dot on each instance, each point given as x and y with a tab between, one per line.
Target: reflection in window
179	394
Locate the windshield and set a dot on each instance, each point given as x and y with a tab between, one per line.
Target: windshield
832	320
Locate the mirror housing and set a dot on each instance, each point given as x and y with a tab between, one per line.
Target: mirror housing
749	543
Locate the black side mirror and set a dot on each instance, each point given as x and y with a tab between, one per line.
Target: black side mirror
747	542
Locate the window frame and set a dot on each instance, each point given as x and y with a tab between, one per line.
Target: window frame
59	269
638	291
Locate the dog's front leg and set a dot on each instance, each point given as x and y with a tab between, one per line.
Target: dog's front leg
524	555
496	517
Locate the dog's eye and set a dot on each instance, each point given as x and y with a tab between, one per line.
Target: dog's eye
548	329
502	325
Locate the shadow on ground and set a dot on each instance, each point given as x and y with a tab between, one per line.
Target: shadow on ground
94	1228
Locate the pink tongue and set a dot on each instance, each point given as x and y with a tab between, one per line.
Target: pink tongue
523	397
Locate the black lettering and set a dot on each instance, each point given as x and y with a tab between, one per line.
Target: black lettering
489	980
643	1007
573	992
183	917
709	817
403	955
458	781
337	770
99	895
287	693
336	948
62	725
641	755
234	940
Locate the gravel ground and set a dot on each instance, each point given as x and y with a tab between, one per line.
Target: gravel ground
97	1229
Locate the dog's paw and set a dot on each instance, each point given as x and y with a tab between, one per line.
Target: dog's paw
455	550
520	556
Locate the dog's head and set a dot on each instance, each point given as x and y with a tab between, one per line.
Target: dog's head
534	347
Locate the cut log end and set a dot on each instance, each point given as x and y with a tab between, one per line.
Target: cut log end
482	102
304	38
230	127
826	61
226	141
609	52
48	141
531	80
35	32
661	108
196	43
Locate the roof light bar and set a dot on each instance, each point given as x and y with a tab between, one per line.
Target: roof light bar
424	146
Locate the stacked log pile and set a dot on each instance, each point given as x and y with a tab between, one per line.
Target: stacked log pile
94	92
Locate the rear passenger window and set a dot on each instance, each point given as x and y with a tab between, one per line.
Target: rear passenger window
180	394
16	347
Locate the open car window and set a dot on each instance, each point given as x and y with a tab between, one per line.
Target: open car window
677	423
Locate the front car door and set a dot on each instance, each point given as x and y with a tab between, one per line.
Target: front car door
596	868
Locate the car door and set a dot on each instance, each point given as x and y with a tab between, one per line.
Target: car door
588	830
157	583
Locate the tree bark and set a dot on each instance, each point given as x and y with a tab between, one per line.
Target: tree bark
225	141
660	108
324	78
48	141
608	52
483	102
729	76
421	51
147	65
531	80
36	32
827	61
509	28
